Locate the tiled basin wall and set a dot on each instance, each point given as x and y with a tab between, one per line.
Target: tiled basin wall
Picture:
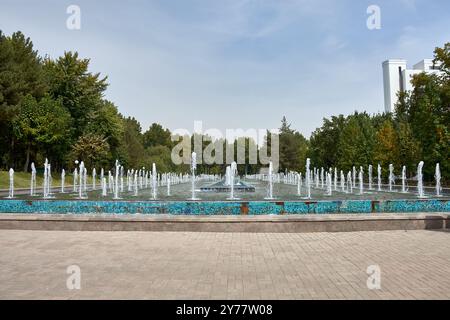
222	207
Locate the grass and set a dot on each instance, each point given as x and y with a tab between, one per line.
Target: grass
23	180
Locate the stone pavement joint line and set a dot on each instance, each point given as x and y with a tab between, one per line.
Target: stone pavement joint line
191	265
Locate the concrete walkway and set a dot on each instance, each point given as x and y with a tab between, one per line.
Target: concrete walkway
190	265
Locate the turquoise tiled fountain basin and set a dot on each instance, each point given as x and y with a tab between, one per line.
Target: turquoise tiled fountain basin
222	207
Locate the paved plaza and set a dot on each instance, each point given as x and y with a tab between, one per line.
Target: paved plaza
191	265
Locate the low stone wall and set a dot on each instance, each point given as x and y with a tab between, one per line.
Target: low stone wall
267	224
223	207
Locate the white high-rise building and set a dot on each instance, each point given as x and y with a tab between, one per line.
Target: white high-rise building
396	77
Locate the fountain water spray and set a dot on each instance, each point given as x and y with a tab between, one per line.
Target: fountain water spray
354	177
349	182
370	176
94	175
329	187
168	186
437	176
33	180
361	180
154	181
233	172
420	180
116	181
121	178
308	179
63	178
46	179
299	184
193	169
104	190
227	176
11	183
404	179
391	176
75	178
82	178
110	182
379	177
270	177
135	183
342	181
322	178
85	181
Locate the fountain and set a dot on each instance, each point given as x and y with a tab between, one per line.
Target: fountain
154	180
94	174
11	183
193	168
354	177
75	178
379	177
63	178
308	179
420	189
342	181
404	180
361	181
233	172
85	181
370	177
121	179
116	181
33	180
135	183
437	176
168	186
270	182
328	183
102	175
322	180
110	182
299	184
104	190
349	182
81	193
391	177
46	179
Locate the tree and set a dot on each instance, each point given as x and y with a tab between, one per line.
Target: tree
293	148
323	147
20	75
105	121
409	149
156	135
41	124
386	146
91	148
80	91
132	143
356	143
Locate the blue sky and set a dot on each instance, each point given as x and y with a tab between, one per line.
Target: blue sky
236	63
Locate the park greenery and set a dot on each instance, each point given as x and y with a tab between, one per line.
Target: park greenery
56	109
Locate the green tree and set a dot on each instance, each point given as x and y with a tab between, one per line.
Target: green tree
80	91
132	143
156	135
356	143
386	146
41	124
91	148
323	148
20	75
